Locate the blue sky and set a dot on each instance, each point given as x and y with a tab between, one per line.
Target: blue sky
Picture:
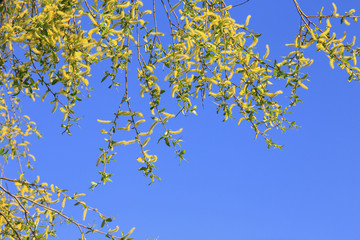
231	187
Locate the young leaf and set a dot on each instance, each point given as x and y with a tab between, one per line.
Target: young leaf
103	121
84	214
175	6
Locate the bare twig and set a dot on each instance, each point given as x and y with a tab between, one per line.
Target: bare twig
240	4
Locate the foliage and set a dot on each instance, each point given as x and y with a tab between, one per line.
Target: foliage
48	48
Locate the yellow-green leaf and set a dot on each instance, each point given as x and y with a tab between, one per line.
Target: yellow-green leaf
84	214
175	6
103	121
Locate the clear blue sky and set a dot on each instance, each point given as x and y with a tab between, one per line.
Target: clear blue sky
232	187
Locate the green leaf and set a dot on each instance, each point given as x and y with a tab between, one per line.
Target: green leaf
175	6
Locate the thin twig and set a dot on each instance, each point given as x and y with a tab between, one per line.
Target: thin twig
237	5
